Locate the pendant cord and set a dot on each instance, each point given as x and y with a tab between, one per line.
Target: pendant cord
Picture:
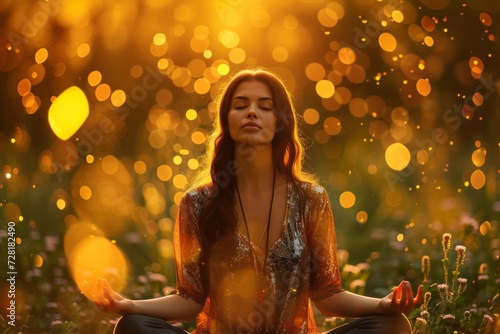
267	226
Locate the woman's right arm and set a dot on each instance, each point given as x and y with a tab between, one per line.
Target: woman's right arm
170	308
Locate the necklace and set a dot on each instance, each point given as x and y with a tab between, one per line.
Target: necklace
266	229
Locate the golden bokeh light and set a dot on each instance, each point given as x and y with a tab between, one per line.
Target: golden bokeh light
325	89
422	157
397	156
193	164
424	87
94	78
166	248
485	228
291	22
397	16
41	55
362	217
202	86
315	71
159	39
110	164
332	126
479	157
198	137
485	19
118	98
61	204
155	203
229	38
91	256
11	212
83	50
378	129
85	192
23	87
358	107
429	41
280	54
223	69
140	167
328	17
260	17
428	23
180	181
478	179
347	199
102	92
387	42
372	169
38	261
68	112
103	193
164	172
400	116
347	56
237	55
311	116
177	160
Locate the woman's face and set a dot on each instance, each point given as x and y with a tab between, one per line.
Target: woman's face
251	115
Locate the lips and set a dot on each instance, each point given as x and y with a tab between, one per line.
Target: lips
251	125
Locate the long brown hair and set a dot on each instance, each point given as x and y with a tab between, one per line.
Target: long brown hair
219	217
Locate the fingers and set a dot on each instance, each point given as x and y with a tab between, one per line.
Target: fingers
95	292
420	295
101	295
402	297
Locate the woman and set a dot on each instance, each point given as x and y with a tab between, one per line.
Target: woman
255	244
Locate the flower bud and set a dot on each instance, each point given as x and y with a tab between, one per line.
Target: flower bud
426	266
460	254
446	242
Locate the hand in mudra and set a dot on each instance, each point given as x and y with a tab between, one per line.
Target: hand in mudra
401	298
108	300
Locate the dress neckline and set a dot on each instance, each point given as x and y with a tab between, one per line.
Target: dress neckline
284	224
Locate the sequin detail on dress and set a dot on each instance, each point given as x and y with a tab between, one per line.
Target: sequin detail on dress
301	266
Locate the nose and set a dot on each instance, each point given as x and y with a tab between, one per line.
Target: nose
251	112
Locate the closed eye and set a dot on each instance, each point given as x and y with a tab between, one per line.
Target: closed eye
241	107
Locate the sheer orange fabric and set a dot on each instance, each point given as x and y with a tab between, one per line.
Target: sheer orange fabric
301	266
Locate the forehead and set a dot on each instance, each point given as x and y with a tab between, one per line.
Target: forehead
252	88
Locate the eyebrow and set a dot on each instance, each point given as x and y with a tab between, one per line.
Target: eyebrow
246	98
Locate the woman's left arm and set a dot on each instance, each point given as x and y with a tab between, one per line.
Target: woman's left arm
351	305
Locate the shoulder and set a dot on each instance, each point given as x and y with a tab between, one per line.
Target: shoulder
202	190
312	190
198	194
193	201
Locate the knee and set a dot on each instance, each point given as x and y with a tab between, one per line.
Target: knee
397	324
128	324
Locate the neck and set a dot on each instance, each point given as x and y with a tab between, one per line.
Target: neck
257	167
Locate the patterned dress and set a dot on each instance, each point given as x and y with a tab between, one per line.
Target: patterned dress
301	267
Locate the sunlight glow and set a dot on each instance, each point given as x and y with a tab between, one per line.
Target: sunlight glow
68	112
397	156
93	257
